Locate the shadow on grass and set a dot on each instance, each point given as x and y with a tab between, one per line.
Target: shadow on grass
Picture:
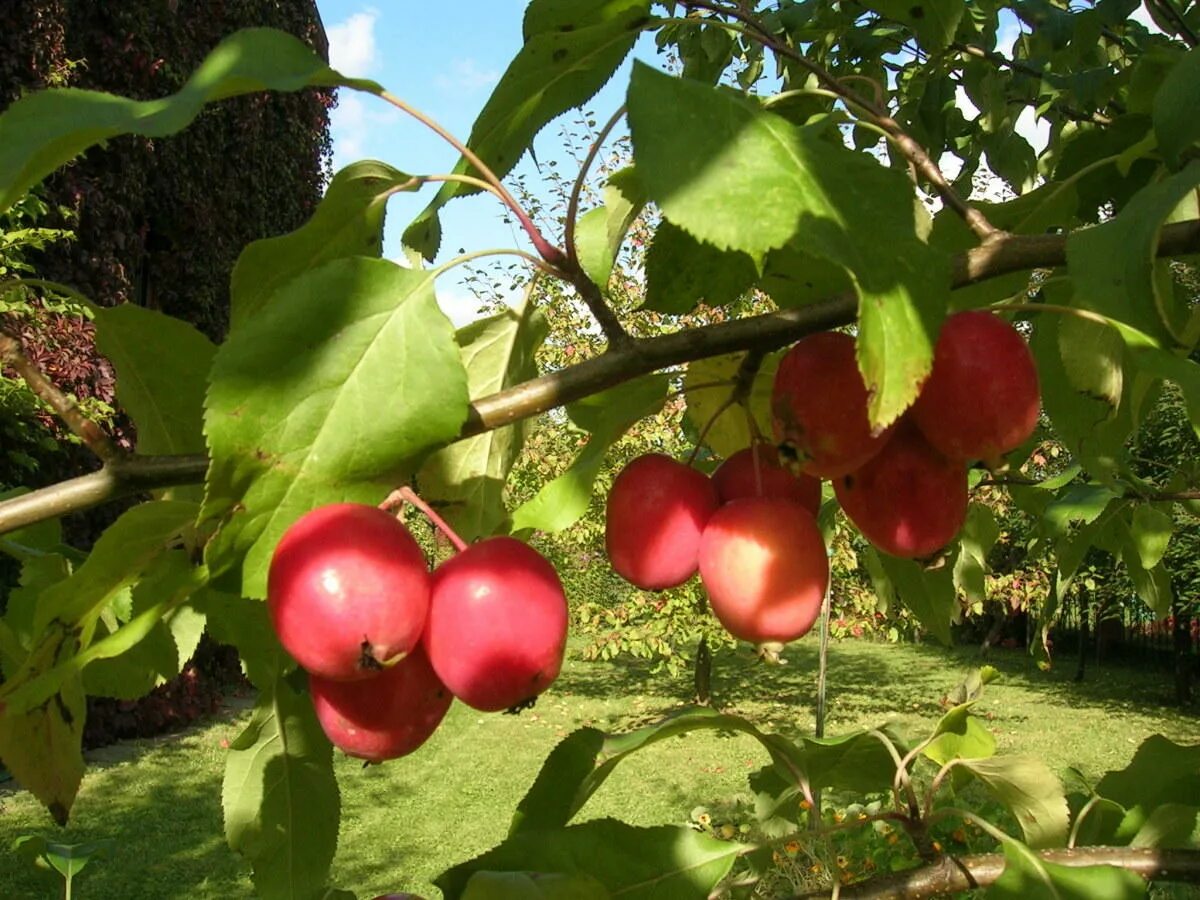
163	812
161	799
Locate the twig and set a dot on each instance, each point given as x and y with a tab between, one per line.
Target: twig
1009	253
545	249
577	187
92	435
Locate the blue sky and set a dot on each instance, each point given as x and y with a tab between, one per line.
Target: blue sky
446	69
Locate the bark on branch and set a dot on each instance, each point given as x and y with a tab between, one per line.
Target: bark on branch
1001	256
954	874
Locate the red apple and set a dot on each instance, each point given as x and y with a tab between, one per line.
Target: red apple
497	625
909	501
348	591
656	512
388	716
736	478
819	406
764	565
981	399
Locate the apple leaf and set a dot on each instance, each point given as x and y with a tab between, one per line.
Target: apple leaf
333	392
245	624
607	415
682	272
1161	771
1112	266
1175	104
795	278
280	796
159	638
929	594
43	130
665	862
1152	583
960	735
162	368
600	232
119	557
43	745
347	222
571	48
1031	792
533	886
1093	358
1027	876
699	148
978	534
466	480
729	432
1151	529
933	21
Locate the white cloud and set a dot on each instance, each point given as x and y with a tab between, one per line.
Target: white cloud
466	75
352	44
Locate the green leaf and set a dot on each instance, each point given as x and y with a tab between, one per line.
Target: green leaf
600	232
795	278
551	801
157	641
682	272
699	148
280	797
118	558
245	624
66	859
607	416
532	886
1161	771
664	862
1152	583
582	762
347	222
729	431
979	532
1080	503
572	47
1151	530
331	393
1031	792
929	594
1084	424
1175	104
960	735
933	21
43	746
44	130
466	480
1112	266
162	366
1028	877
1169	825
1093	358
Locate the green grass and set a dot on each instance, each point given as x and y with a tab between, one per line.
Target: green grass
404	822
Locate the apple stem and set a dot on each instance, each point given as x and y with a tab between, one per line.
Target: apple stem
408	495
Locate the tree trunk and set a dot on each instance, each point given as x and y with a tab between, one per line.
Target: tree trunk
1083	633
703	673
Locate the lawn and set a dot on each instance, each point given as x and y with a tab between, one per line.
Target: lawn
404	822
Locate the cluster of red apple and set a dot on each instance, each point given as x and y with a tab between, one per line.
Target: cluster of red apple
751	530
387	645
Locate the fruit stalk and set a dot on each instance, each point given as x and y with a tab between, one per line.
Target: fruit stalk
408	495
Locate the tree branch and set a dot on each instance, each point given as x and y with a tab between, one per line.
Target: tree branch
13	355
639	356
953	874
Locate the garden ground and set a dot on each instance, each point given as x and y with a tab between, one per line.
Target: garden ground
404	822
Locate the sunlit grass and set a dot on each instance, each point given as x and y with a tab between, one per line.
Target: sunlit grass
404	822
